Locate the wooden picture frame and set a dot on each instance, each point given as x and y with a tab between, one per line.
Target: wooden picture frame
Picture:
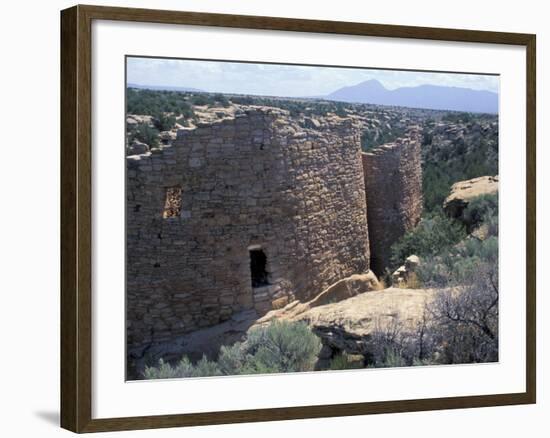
76	217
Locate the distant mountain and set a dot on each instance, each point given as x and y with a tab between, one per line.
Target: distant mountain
164	87
423	96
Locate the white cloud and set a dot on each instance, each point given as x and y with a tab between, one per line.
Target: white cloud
285	80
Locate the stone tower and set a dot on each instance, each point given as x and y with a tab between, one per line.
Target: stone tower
250	212
393	185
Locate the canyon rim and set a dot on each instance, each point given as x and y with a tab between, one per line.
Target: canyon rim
268	231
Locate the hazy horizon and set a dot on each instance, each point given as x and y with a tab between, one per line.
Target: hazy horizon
285	80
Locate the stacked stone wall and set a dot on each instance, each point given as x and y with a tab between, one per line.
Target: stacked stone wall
260	181
393	185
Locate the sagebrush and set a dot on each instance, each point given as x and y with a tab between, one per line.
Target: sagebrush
279	347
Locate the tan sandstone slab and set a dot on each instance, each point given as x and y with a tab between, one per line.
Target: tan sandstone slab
463	192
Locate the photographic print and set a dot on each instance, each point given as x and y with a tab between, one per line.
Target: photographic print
288	218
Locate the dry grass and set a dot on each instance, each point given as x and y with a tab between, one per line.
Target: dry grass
411	282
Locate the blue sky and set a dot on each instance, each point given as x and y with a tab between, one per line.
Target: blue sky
284	80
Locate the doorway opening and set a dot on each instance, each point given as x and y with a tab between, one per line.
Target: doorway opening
258	272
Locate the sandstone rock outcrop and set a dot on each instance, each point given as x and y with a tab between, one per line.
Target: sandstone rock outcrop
341	290
344	316
137	148
135	119
463	192
346	326
346	288
403	274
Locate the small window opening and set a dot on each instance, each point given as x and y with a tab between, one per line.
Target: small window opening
258	261
172	204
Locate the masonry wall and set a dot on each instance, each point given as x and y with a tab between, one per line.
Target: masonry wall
393	185
259	181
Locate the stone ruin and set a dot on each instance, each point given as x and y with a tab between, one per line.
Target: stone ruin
393	177
255	212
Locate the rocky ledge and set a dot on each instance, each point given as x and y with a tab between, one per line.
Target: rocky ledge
344	316
348	325
463	192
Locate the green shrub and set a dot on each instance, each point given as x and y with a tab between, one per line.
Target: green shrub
484	250
423	362
479	210
184	368
435	233
205	368
280	347
163	122
458	117
154	102
449	255
460	264
434	272
232	358
393	359
166	371
387	354
221	99
145	134
443	166
202	99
